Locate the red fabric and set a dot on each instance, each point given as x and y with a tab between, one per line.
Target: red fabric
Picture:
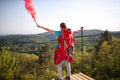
59	56
61	53
30	8
69	38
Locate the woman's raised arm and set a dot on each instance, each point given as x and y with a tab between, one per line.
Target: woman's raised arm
49	30
77	31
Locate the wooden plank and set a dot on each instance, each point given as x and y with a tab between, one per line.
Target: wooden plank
74	77
79	76
87	77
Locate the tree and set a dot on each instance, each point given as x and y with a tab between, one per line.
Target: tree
26	68
105	36
106	58
43	54
102	64
7	64
46	69
115	52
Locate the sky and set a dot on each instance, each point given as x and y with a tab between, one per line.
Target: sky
90	14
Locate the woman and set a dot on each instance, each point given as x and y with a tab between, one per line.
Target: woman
61	57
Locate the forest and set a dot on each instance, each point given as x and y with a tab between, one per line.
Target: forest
30	57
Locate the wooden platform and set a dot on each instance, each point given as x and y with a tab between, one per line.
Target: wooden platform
79	76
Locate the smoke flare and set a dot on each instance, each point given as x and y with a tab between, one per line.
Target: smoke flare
30	8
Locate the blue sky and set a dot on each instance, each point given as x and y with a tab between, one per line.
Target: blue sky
92	14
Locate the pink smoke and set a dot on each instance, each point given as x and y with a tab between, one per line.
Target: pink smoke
30	8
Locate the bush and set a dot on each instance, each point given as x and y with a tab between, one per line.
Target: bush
7	64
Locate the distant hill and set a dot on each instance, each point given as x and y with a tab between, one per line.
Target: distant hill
21	39
85	33
94	32
43	37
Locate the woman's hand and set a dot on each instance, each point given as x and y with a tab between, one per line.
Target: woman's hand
37	25
47	29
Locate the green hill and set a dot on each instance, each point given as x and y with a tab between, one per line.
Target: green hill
28	43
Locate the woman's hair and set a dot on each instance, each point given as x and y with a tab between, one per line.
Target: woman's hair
63	25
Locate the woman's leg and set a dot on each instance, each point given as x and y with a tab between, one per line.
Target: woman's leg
68	67
59	70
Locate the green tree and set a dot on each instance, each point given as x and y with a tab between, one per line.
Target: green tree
115	52
47	67
7	64
103	63
106	64
26	68
102	57
43	54
105	36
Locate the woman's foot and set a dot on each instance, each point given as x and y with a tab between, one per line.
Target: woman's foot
58	79
67	78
